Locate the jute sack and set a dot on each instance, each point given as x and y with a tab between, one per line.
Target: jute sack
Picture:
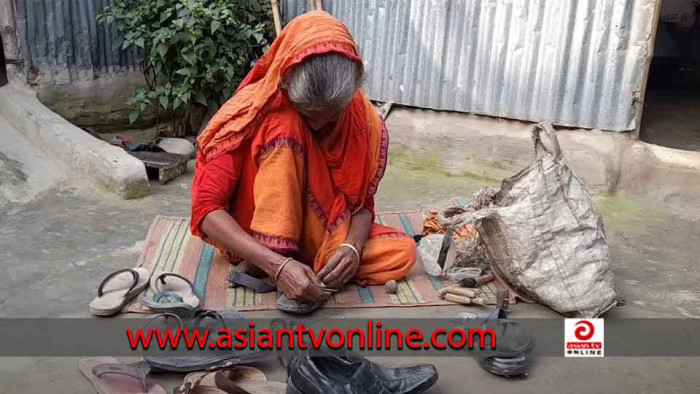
545	235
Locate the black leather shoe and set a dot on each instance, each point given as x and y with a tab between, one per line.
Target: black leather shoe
328	373
513	347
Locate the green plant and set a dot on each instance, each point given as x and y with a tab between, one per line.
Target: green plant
195	52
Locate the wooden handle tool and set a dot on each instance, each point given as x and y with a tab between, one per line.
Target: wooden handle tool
476	282
460	291
458	299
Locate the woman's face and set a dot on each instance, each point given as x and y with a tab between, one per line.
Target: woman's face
316	120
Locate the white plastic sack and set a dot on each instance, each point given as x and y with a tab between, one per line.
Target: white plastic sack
546	237
429	251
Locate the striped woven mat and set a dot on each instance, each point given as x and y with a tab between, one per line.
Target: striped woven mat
170	247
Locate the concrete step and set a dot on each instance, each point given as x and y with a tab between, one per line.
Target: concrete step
81	156
25	172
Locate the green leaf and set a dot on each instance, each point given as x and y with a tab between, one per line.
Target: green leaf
200	98
189	58
203	48
164	101
162	50
133	116
215	26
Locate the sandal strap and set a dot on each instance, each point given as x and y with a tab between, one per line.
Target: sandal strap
164	315
224	383
191	387
161	279
245	280
111	276
209	314
138	370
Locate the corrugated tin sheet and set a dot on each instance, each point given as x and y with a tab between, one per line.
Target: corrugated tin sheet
573	62
62	39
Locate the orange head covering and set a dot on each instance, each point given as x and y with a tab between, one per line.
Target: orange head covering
314	33
352	151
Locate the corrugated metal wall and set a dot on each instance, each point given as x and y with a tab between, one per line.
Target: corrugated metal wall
573	62
64	42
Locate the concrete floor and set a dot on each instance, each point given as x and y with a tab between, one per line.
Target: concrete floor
55	250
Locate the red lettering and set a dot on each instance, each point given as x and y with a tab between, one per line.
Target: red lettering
399	336
316	343
329	339
196	337
265	339
414	339
166	338
140	339
482	338
290	337
433	338
356	332
451	339
241	338
224	341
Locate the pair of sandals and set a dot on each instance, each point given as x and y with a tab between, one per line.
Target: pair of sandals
109	376
172	293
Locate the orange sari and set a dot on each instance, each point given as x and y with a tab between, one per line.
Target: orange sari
293	191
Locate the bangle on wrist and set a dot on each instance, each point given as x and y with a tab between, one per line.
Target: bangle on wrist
354	249
279	270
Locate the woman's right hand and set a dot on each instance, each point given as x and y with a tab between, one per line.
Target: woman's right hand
299	282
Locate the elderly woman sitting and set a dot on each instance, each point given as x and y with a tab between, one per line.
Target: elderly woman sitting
288	168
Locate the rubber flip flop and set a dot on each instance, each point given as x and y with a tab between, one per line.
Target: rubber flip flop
238	379
117	289
213	321
172	293
109	376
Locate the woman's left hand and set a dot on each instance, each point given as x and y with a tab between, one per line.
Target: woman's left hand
340	268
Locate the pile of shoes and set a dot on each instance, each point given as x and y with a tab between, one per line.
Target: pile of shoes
308	372
222	372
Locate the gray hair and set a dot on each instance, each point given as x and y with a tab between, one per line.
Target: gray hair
322	83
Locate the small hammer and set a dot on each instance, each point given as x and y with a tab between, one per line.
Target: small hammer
476	282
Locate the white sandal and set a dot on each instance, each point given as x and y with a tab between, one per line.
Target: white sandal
172	293
117	289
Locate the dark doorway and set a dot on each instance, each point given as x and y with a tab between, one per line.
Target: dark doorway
671	115
3	69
